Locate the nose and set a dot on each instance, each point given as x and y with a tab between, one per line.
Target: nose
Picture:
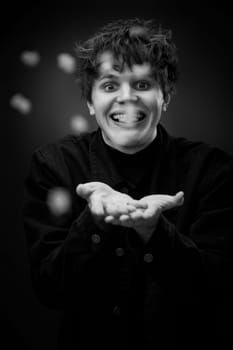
126	94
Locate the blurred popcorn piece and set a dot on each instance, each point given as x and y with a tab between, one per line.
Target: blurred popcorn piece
30	58
138	31
59	201
66	62
79	124
21	103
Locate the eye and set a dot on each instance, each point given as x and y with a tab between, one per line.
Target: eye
142	85
109	86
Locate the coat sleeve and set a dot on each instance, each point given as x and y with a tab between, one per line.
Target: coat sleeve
63	251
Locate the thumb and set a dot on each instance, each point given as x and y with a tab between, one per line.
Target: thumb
179	198
84	191
175	201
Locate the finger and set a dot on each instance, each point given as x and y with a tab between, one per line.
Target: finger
130	208
117	209
96	208
149	214
125	219
109	219
174	201
84	190
179	198
112	220
138	216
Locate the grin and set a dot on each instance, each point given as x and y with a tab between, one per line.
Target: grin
120	117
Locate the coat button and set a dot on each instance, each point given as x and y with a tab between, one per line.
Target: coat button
148	258
119	251
116	310
95	238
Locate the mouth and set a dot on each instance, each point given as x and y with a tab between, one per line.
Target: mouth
121	117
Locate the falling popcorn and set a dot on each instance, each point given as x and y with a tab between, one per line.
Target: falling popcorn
137	31
107	61
79	124
30	58
21	103
59	201
66	62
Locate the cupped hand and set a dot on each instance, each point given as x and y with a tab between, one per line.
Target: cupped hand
104	201
144	220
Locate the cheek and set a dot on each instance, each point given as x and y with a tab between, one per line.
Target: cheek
154	97
100	102
153	100
156	106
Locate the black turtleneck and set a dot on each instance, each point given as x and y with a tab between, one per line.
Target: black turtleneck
134	168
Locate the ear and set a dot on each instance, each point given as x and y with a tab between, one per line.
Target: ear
166	102
90	108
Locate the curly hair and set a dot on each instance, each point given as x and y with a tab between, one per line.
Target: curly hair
132	41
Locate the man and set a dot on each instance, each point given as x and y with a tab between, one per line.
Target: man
140	259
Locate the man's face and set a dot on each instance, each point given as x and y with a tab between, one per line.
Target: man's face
127	104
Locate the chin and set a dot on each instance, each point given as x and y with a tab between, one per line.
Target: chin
128	142
129	147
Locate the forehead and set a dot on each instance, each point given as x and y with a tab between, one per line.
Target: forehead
108	64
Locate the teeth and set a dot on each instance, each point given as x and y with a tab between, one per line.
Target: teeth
124	117
119	116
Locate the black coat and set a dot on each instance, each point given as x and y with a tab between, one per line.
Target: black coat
114	291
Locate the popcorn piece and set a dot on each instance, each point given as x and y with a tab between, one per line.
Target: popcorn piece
66	62
21	103
138	31
30	58
79	124
59	201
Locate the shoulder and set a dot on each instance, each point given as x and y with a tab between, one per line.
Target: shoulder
200	151
64	158
209	161
67	147
192	150
66	144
